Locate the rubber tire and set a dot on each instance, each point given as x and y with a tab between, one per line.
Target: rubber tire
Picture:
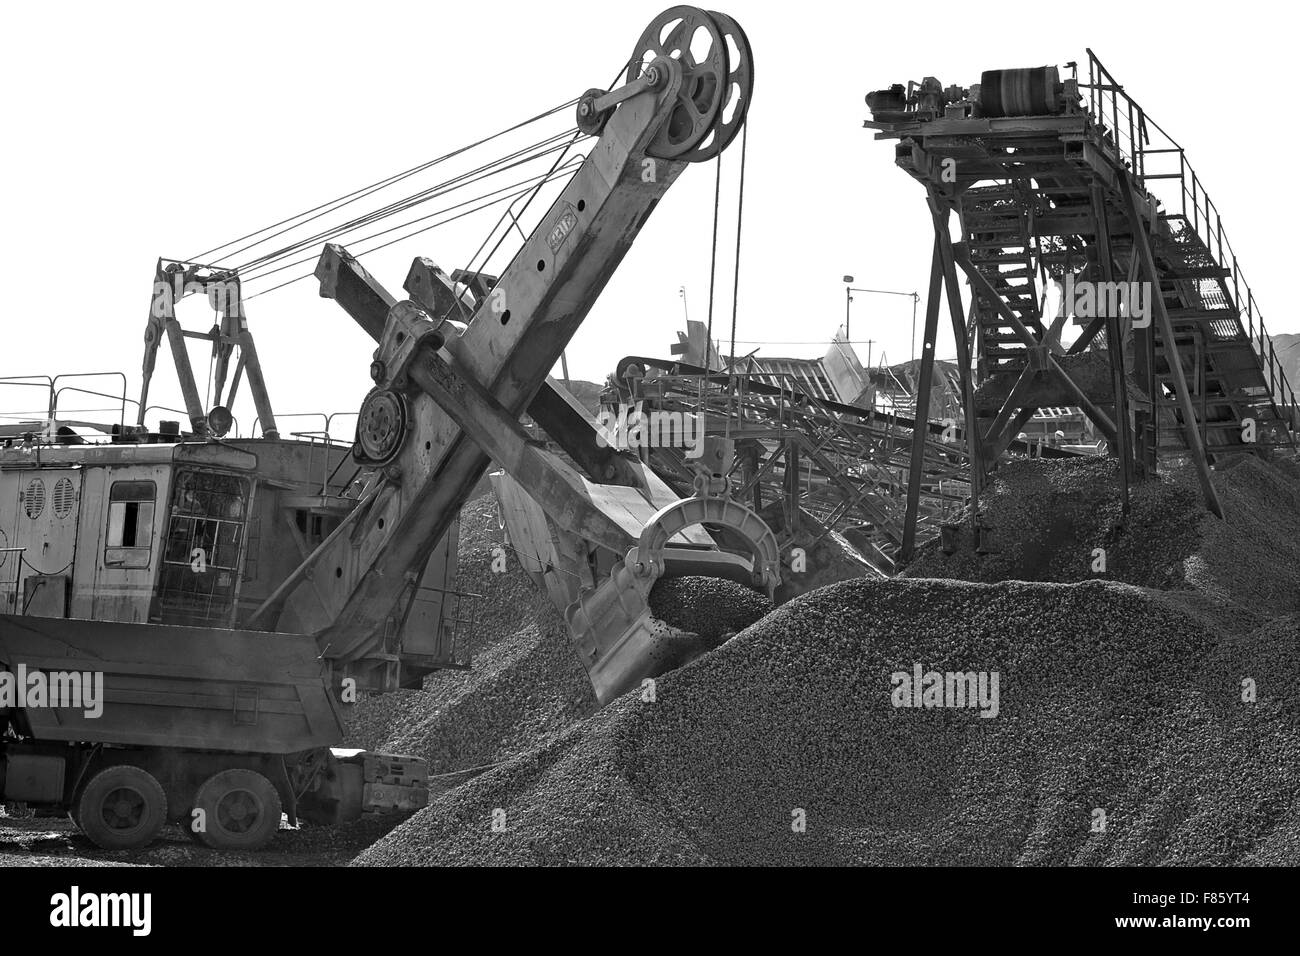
89	810
258	790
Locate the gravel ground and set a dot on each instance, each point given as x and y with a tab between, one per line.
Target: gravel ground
1108	701
56	841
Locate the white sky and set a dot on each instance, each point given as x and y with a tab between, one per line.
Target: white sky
136	130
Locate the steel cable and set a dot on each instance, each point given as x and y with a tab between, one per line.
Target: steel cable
348	198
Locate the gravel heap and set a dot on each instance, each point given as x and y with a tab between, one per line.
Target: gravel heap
526	682
1107	701
1112	697
1049	516
1252	557
829	556
713	608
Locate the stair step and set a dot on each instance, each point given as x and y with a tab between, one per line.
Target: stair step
1010	242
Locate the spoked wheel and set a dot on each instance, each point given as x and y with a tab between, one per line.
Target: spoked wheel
121	808
241	811
692	37
739	90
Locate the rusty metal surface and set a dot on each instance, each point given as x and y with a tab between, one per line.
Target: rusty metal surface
184	687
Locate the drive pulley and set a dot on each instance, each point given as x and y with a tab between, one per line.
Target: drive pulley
381	427
717	81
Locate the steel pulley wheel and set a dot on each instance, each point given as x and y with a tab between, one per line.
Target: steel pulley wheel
735	98
693	38
381	426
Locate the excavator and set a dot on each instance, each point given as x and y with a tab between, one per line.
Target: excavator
232	595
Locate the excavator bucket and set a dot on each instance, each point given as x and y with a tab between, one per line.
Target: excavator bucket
620	641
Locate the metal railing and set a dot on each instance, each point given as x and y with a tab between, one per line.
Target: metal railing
52	409
1140	139
53	393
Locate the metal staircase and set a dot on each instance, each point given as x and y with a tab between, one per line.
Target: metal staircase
995	223
1071	182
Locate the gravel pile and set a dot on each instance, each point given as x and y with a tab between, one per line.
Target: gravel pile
526	682
1253	557
1089	370
1048	516
713	608
1111	697
1107	701
828	556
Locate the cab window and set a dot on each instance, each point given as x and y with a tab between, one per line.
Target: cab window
130	524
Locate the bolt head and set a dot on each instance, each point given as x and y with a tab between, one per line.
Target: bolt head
584	109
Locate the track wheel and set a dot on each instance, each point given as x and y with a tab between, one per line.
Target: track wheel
241	810
121	808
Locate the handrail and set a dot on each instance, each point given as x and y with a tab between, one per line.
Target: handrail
56	391
324	433
1197	212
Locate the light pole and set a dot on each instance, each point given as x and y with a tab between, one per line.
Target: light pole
848	302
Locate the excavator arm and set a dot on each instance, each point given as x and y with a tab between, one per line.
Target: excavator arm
431	371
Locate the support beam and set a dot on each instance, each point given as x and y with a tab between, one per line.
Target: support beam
362	296
1080	398
1086	337
1114	348
257	385
999	431
1142	245
941	214
982	286
921	416
498	433
185	372
1005	441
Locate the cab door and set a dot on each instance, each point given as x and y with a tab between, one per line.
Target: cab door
130	542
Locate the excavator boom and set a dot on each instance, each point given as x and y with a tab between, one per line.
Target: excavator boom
435	376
